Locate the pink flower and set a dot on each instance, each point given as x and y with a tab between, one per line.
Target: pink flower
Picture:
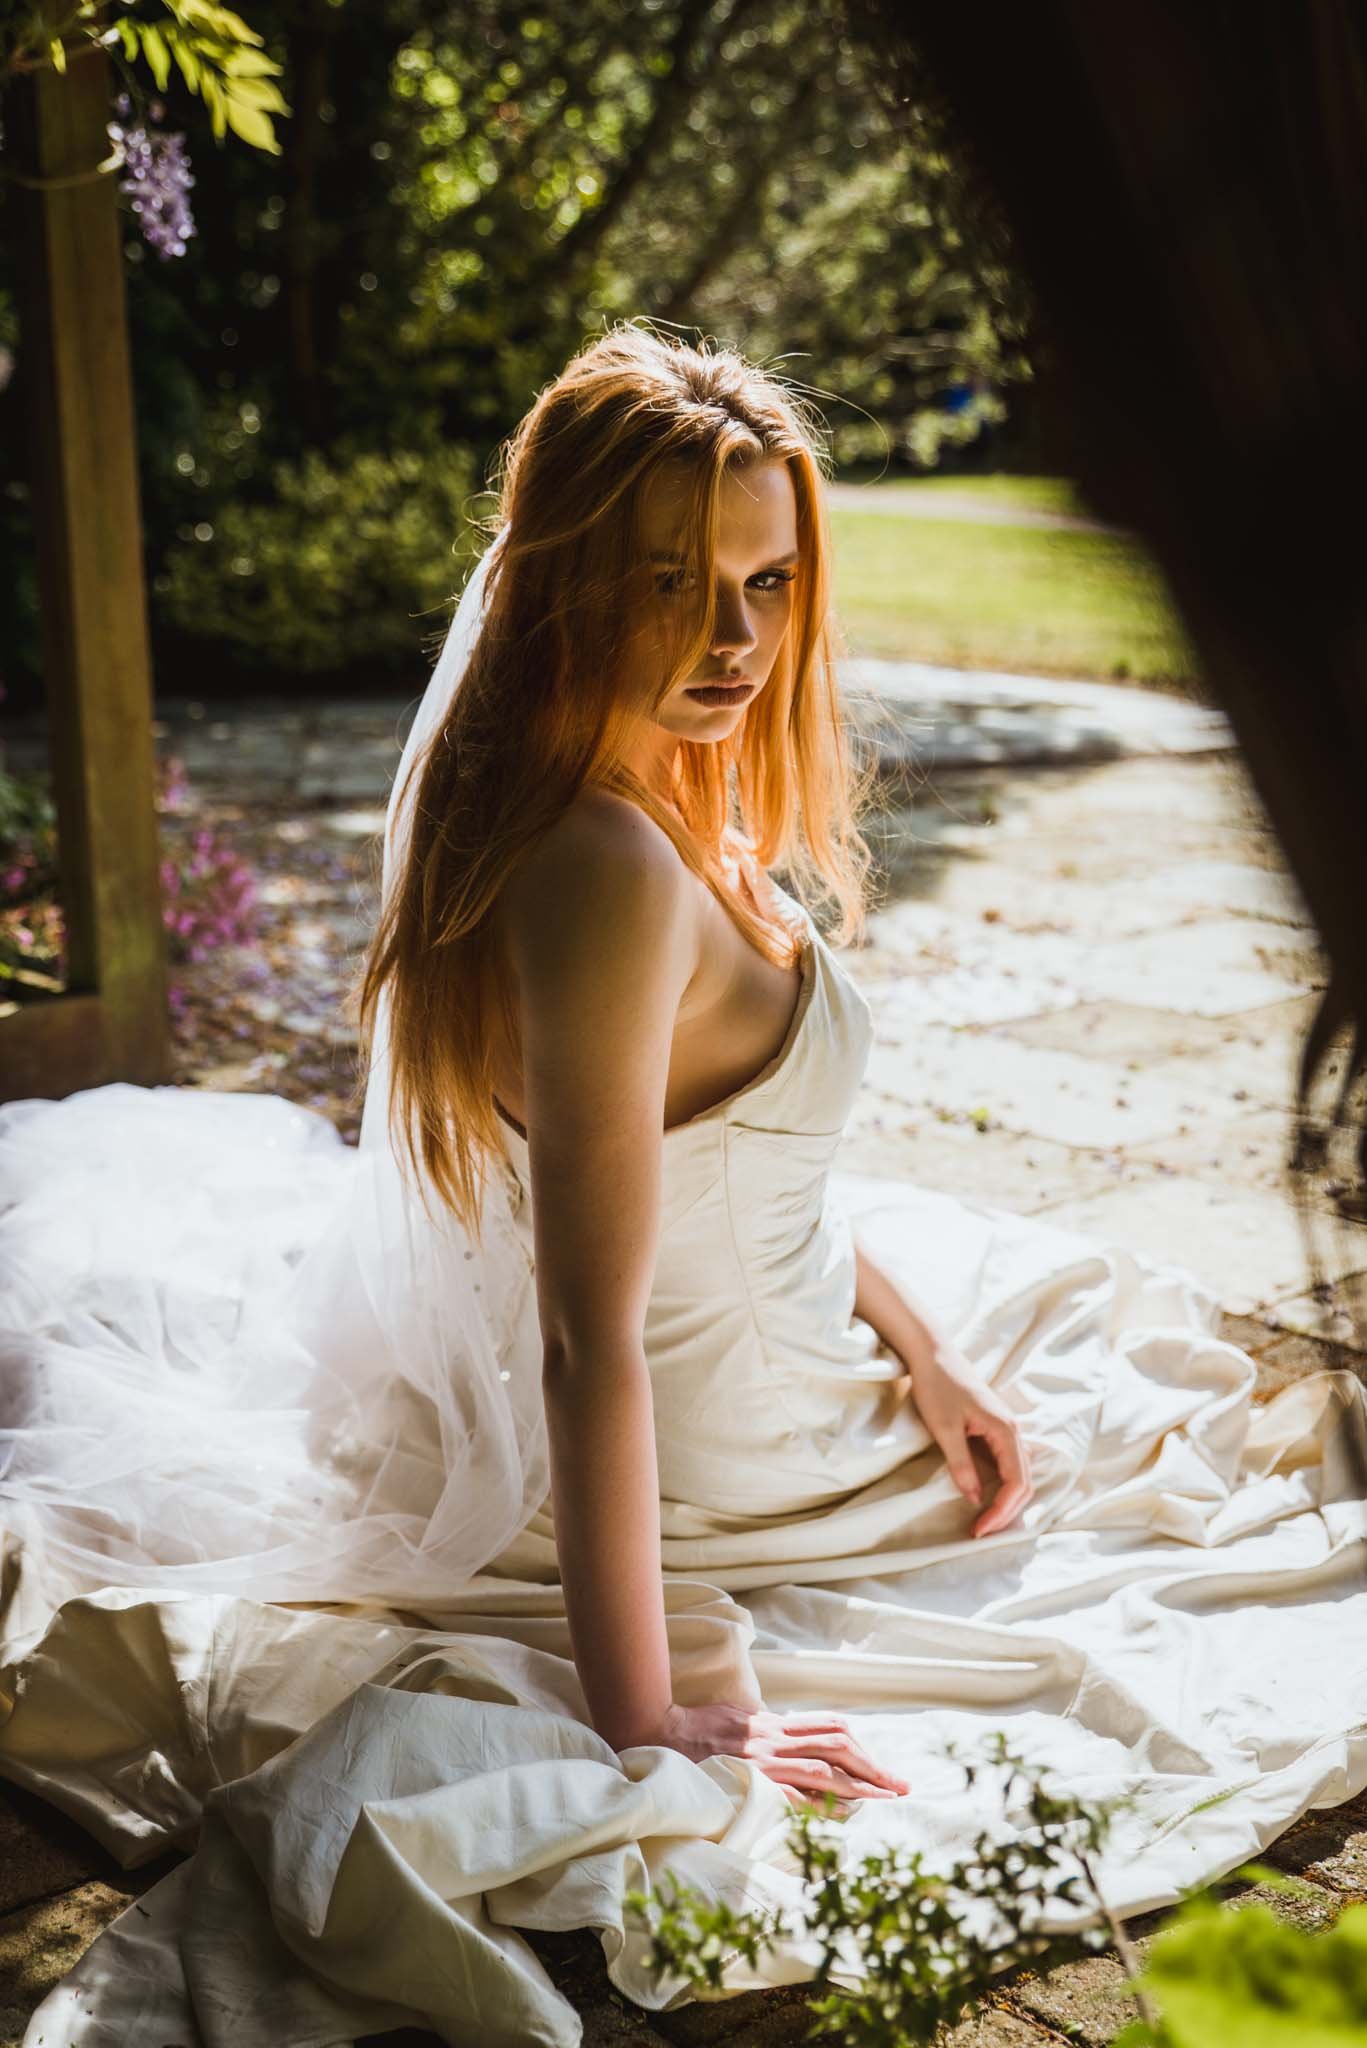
210	897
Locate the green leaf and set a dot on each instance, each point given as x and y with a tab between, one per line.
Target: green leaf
212	93
185	58
250	64
1250	1980
157	55
58	52
216	21
252	125
1224	2016
256	92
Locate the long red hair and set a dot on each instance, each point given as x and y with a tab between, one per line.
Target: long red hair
538	715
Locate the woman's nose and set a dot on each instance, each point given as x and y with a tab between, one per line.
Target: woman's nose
732	631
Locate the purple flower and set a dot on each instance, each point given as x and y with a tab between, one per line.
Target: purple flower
158	179
174	793
208	891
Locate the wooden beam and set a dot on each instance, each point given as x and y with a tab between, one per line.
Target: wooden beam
74	372
51	1046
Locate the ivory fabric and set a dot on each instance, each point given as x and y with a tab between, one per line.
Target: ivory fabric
380	1798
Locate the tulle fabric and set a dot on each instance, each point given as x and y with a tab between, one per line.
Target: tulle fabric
237	1355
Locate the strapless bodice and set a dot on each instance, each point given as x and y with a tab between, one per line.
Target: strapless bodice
770	1395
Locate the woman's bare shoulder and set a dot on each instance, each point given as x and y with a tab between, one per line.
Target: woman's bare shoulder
603	876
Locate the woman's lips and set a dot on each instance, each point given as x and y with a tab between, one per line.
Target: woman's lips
721	692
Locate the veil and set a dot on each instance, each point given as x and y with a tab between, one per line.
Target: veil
237	1355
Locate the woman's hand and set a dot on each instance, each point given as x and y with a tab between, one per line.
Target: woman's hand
956	1406
953	1402
807	1754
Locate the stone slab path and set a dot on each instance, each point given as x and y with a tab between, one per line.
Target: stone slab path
932	719
1090	977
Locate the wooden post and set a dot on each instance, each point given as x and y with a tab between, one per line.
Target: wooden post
73	359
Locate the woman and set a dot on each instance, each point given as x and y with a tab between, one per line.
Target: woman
480	1431
647	967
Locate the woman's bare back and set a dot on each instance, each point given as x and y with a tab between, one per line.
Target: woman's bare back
737	1009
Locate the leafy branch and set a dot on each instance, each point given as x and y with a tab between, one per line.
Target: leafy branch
925	1946
218	55
922	1944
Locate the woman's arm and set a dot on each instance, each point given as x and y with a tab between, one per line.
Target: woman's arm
904	1326
602	943
955	1405
601	936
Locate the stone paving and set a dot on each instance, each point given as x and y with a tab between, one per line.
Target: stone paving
1090	978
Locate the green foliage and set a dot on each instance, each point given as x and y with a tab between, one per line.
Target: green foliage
924	1944
1245	1979
216	52
219	58
470	189
30	922
741	172
339	558
27	821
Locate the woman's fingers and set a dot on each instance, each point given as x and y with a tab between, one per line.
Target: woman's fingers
959	1459
841	1752
814	1775
1007	1446
1003	1510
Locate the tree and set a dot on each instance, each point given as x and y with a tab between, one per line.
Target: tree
463	193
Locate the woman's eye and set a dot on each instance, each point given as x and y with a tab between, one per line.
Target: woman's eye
769	579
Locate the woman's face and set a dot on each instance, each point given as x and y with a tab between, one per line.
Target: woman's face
757	559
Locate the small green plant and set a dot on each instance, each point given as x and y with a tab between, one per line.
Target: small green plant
924	1944
1245	1979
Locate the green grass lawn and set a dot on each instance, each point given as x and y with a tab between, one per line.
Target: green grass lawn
1026	493
1004	597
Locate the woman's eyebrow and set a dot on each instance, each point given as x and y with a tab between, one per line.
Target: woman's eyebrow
778	562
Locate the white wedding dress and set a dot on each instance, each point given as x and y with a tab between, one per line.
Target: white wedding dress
381	1793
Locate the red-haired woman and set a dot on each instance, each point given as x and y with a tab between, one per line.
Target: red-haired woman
592	1465
648	724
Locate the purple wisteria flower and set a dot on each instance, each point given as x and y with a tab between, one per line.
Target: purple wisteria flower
208	891
159	177
208	900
